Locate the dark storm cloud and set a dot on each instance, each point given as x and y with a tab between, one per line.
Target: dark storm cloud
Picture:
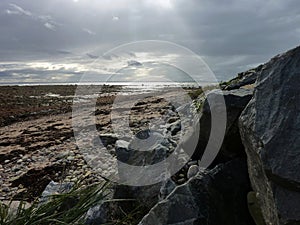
231	35
234	35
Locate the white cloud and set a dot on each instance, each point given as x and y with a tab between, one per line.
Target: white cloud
20	10
11	12
115	18
89	31
50	26
46	20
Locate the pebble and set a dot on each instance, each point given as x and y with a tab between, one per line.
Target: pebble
34	158
62	155
193	170
20	161
5	189
104	166
15	169
181	181
70	158
172	120
6	161
181	175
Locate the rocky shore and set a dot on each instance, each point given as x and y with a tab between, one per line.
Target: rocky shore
253	180
37	142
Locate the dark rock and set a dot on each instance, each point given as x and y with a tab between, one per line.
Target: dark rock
270	131
214	197
147	148
166	188
193	170
236	101
108	139
245	78
255	209
36	180
122	150
175	127
54	188
98	215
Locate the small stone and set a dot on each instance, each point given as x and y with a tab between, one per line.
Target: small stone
5	189
34	158
181	175
172	120
193	170
6	161
62	155
70	158
15	169
122	144
20	161
84	167
175	127
104	166
181	181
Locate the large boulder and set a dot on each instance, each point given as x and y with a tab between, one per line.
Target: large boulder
270	130
232	147
213	197
147	148
243	79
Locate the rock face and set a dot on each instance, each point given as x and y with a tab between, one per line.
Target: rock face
236	101
246	78
147	148
214	197
270	131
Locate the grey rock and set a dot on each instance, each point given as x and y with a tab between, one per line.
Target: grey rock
98	214
175	127
166	188
122	151
245	78
120	144
147	148
232	147
270	132
55	188
193	170
107	139
214	197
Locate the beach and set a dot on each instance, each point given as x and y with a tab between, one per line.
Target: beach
37	143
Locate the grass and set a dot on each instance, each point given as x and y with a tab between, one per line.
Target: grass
60	209
198	96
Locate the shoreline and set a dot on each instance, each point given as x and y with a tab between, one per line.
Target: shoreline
37	141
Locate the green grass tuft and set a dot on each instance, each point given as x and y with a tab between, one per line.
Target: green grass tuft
60	209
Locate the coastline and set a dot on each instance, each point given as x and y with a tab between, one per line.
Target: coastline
37	143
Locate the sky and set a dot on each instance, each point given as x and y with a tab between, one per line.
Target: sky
60	40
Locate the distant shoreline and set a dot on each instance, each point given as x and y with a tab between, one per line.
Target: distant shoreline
170	84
